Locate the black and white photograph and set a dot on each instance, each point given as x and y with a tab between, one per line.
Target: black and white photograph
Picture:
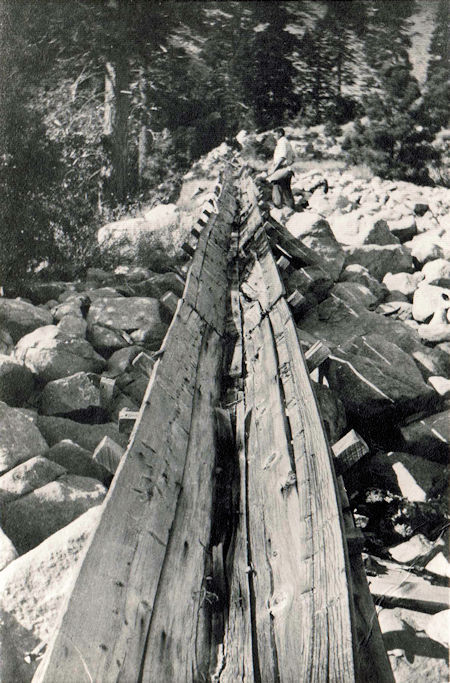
224	341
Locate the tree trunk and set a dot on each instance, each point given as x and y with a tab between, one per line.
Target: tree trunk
143	137
120	128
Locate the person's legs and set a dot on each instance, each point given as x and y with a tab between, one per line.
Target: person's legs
286	192
277	194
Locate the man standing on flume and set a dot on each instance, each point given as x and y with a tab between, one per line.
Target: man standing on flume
280	172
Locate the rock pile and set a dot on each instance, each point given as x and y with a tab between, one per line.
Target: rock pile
73	356
382	309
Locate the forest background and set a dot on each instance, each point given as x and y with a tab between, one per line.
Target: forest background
105	104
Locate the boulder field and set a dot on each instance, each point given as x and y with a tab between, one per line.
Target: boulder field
74	355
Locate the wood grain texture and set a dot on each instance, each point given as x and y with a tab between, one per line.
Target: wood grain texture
157	491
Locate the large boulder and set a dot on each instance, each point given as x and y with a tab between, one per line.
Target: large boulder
379	260
357	273
51	354
315	233
20	317
373	378
73	326
354	293
403	283
121	359
404	229
20	439
437	273
106	339
31	519
310	280
410	476
55	429
123	237
150	335
16	381
77	460
41	292
362	229
76	396
24	478
33	589
8	554
429	437
427	299
157	285
427	246
130	313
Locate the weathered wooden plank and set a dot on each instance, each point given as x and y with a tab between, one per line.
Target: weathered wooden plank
262	282
177	647
371	659
105	625
399	586
322	531
300	254
235	658
113	597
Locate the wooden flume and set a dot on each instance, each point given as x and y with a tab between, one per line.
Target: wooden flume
226	549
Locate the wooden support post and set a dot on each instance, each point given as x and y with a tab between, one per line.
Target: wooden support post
108	454
353	535
169	301
127	418
348	450
188	249
316	355
144	363
195	232
283	263
108	390
299	304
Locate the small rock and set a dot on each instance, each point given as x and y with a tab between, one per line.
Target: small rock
404	228
426	246
108	454
76	305
360	274
429	437
106	339
354	293
396	310
437	273
310	280
379	260
121	359
420	209
31	519
151	335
